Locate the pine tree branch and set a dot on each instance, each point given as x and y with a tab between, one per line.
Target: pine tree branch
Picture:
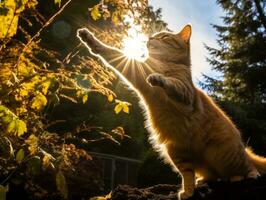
261	13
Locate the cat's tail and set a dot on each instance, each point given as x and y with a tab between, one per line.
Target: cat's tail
258	161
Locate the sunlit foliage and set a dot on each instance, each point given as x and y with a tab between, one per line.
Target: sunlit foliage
31	86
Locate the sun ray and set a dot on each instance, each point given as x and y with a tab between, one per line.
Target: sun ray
118	58
149	68
126	66
121	64
142	70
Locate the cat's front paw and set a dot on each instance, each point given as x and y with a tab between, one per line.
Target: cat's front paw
85	35
156	80
88	38
183	195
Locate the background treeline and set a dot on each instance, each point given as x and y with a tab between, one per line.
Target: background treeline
241	60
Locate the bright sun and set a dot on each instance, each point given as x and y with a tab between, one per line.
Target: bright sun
134	45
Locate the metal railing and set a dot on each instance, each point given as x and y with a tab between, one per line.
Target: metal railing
117	170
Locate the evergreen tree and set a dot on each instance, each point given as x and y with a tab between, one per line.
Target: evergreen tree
241	59
241	56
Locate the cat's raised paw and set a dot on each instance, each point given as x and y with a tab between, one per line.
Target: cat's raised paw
155	79
84	34
88	38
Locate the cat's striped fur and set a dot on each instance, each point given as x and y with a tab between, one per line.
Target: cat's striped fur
194	135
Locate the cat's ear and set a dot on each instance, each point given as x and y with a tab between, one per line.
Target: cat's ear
185	34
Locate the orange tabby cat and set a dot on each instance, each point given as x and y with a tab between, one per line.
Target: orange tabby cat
191	131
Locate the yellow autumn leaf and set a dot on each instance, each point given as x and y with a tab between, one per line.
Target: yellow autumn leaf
26	67
110	98
21	127
31	84
5	69
95	12
125	108
46	161
84	98
122	106
17	126
9	21
118	108
39	101
115	18
23	93
45	86
32	141
57	2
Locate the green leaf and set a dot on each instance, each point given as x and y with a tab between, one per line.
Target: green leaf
11	126
7	119
20	156
95	12
61	184
34	166
17	127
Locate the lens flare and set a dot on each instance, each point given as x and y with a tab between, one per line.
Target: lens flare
134	45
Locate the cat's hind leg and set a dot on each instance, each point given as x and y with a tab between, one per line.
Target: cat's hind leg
188	180
200	181
253	174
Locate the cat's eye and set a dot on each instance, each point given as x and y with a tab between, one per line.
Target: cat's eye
165	37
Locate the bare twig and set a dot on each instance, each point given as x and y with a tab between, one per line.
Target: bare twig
41	29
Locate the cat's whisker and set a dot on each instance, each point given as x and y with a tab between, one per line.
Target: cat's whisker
120	66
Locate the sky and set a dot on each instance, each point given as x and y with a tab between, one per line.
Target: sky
200	14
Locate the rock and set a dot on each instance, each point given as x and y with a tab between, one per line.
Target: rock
249	189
